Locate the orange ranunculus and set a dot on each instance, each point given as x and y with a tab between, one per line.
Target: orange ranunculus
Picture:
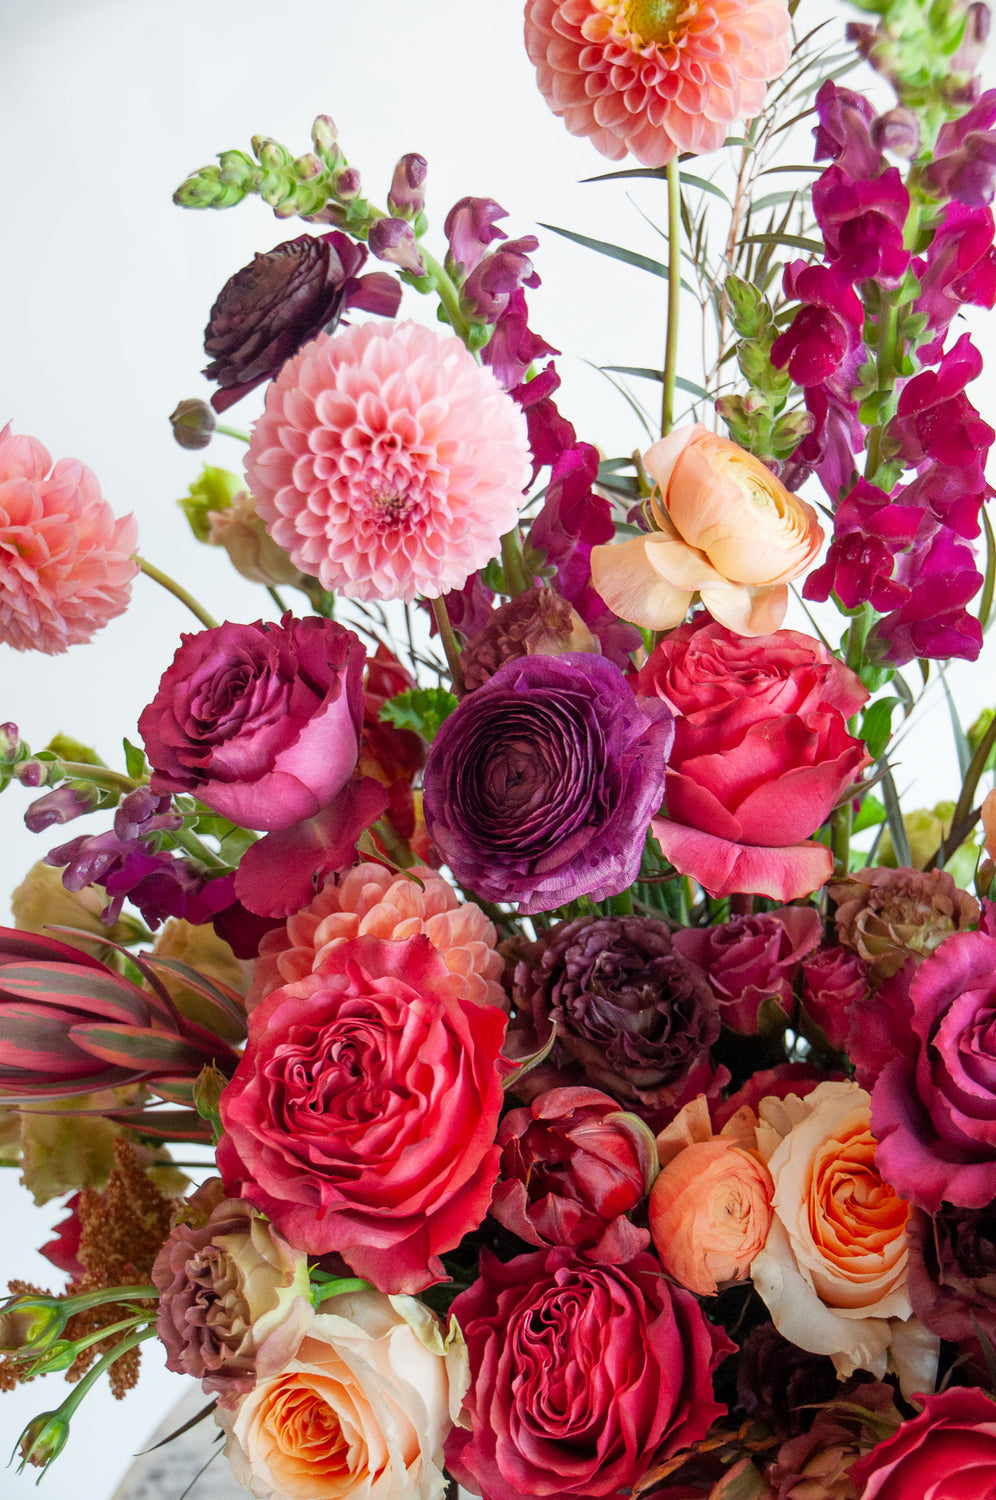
726	529
833	1270
710	1208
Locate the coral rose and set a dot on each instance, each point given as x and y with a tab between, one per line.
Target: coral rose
388	462
833	1270
362	1116
66	562
581	1376
362	1411
725	529
655	79
948	1452
710	1208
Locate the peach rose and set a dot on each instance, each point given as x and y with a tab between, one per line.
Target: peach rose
833	1270
710	1208
363	1410
725	529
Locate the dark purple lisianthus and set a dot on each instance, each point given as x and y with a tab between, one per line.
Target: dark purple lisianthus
573	1165
581	1376
951	1274
934	1104
636	1015
266	311
541	785
752	959
260	722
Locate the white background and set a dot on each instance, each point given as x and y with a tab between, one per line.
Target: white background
105	287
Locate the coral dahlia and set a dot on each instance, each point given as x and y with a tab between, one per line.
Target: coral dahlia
656	77
66	561
388	462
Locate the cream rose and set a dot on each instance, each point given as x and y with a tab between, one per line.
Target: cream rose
725	529
363	1410
833	1269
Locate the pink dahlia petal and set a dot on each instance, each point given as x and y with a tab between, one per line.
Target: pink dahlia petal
655	77
388	462
66	561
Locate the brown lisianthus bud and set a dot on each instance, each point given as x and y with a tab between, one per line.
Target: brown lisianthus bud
888	916
538	622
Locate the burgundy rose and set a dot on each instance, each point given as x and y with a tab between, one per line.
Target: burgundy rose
951	1275
934	1105
761	755
582	1376
362	1117
260	722
947	1452
752	959
540	787
573	1165
266	311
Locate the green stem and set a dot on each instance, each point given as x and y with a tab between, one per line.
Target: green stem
449	640
77	770
233	432
673	293
185	838
448	293
276	598
91	1377
516	581
172	587
840	839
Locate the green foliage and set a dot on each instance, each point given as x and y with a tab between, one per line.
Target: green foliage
420	709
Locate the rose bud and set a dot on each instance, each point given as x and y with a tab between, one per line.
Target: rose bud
253	552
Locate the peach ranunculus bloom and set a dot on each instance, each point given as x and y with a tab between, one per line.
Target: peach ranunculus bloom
362	1411
726	530
833	1270
656	77
710	1207
374	901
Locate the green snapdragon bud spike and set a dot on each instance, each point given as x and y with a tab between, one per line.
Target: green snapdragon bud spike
749	310
928	49
208	189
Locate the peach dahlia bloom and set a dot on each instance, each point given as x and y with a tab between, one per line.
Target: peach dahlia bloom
388	462
656	77
373	901
66	561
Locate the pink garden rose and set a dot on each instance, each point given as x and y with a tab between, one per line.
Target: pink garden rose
362	1117
749	960
761	755
581	1376
948	1452
934	1104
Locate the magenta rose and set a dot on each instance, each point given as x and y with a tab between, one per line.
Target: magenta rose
582	1376
761	755
934	1105
362	1117
752	959
948	1452
259	722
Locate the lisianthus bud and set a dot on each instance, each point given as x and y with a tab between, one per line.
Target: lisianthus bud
30	1323
406	197
394	241
193	423
253	552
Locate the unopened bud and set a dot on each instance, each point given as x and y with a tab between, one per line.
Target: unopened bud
253	552
406	197
10	741
60	806
193	423
30	1324
42	1440
978	24
898	131
34	773
271	156
394	241
749	312
324	133
347	185
214	490
237	169
308	167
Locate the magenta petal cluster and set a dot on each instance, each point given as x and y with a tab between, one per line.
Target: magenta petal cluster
66	561
388	462
656	79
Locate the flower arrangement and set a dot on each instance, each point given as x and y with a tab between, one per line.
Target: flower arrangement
503	1027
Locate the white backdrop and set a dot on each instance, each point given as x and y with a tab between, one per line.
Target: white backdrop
105	287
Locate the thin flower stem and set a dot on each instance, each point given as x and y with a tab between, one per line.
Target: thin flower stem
185	838
172	587
673	293
233	432
91	1377
512	564
446	634
276	599
449	295
77	770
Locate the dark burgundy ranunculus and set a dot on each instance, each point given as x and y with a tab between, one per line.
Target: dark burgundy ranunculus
573	1165
780	1384
268	310
582	1376
634	1013
541	785
752	959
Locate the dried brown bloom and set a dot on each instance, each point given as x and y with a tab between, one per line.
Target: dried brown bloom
888	916
536	623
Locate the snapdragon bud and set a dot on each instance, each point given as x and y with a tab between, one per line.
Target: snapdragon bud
60	806
406	198
394	241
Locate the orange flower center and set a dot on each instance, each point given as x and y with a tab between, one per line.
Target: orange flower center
653	21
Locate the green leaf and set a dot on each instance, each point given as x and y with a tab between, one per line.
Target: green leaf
420	709
135	762
616	252
986	602
876	725
962	747
704	186
643	372
894	818
870	814
790	241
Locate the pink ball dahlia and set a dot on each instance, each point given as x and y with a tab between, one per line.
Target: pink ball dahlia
388	462
656	77
66	561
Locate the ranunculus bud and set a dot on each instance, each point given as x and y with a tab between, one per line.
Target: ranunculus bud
538	622
253	552
406	197
193	423
394	241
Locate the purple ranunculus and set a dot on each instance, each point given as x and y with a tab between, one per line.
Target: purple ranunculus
934	1104
260	722
541	786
